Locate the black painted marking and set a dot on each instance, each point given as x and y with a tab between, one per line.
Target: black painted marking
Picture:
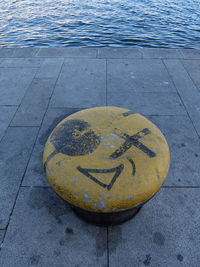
179	257
74	138
117	170
147	261
49	158
126	114
133	141
133	166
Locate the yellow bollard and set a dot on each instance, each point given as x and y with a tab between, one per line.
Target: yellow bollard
106	162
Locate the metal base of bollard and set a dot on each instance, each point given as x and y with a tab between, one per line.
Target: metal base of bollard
105	219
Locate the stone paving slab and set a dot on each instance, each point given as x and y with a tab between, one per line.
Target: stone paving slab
104	52
193	68
185	86
147	103
190	53
196	121
138	76
18	52
15	150
82	83
50	234
13	84
161	53
184	148
35	175
6	115
165	232
50	68
109	52
20	62
34	103
67	52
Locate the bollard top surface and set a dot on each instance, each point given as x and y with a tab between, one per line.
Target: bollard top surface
106	159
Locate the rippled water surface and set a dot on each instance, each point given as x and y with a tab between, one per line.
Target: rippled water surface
152	23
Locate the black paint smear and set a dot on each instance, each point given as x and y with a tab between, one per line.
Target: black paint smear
66	140
73	138
35	259
69	230
180	257
133	141
133	166
49	158
43	138
158	239
147	261
117	170
126	114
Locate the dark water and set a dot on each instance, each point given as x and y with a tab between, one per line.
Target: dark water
152	23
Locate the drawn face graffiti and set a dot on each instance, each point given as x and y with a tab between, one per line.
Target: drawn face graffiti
77	138
106	159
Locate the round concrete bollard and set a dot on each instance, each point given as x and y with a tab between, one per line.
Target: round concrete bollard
106	162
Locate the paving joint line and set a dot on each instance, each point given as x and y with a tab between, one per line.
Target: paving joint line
195	59
10	123
6	228
46	57
181	53
23	126
190	77
181	97
6	130
97	53
68	108
67	57
9	105
37	51
29	86
19	67
155	115
22	179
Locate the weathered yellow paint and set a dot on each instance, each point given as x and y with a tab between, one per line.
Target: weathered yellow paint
129	190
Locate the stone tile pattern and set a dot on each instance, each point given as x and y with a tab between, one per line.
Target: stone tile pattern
41	86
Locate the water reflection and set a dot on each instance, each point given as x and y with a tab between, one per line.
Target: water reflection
152	23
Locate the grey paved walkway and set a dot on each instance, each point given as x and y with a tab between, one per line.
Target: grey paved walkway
39	87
